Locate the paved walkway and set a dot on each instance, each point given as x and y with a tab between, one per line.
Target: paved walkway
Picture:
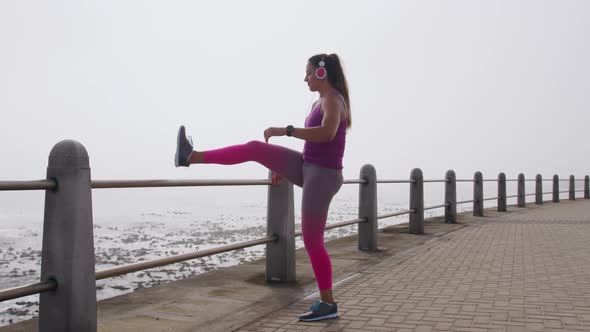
527	270
524	270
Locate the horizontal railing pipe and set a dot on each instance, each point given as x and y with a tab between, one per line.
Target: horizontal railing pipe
359	181
135	267
465	202
490	199
16	292
111	184
395	181
27	185
346	223
435	207
395	214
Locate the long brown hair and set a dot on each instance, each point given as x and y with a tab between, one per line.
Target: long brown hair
335	76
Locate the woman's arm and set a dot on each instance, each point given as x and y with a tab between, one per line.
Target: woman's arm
324	133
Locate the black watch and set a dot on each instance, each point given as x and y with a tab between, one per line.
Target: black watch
290	130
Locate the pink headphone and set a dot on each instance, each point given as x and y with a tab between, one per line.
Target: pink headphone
321	72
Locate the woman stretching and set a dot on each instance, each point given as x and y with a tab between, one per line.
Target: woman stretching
318	170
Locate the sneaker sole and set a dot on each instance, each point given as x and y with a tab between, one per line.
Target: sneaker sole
319	318
176	157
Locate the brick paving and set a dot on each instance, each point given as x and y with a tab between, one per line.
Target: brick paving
527	270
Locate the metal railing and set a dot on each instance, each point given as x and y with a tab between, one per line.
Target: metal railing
68	184
436	206
112	184
28	185
129	268
396	214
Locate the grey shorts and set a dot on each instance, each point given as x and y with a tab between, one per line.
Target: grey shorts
320	184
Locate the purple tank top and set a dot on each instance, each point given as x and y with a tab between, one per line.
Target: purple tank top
327	154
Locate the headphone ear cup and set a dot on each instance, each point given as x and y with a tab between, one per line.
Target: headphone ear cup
320	73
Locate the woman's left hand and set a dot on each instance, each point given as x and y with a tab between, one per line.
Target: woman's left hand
274	131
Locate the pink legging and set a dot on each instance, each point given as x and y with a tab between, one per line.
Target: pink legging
319	185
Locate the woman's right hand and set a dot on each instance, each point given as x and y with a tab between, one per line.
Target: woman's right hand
275	179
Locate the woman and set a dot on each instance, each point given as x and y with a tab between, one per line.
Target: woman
318	169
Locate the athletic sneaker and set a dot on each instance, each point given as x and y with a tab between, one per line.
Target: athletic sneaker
318	311
184	148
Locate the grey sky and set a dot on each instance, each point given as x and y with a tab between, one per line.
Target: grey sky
465	85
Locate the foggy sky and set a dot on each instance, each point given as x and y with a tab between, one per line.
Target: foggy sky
465	85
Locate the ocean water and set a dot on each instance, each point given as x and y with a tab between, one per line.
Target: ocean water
131	225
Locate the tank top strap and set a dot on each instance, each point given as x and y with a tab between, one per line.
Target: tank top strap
335	92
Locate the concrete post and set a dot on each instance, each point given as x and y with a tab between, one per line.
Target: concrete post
280	221
555	188
68	243
521	199
572	193
417	202
450	197
367	238
502	192
586	187
539	189
478	194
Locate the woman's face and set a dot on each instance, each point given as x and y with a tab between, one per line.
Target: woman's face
312	82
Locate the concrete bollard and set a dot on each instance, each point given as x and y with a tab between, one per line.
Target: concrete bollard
521	199
280	221
450	197
539	189
417	202
501	192
367	238
555	188
587	187
572	193
478	194
68	243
